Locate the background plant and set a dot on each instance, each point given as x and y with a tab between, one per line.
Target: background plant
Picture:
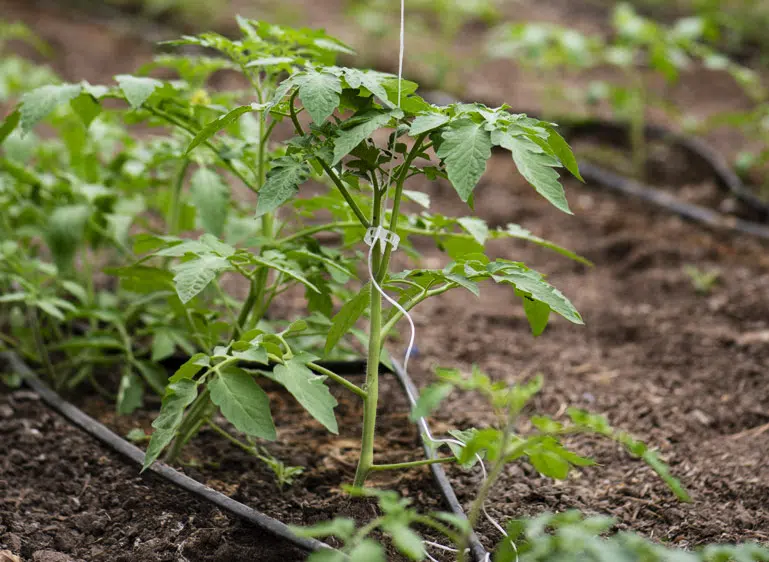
639	44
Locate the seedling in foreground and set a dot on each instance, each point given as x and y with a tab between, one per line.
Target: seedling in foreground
515	437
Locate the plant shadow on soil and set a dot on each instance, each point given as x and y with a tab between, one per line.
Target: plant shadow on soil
685	372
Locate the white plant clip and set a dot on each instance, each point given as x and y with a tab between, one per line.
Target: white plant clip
383	235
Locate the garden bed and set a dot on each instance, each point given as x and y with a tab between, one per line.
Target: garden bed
685	371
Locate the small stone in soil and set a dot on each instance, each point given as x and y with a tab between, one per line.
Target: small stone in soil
50	556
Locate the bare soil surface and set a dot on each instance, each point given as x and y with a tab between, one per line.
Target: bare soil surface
686	372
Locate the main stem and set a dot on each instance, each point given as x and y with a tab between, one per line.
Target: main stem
379	266
366	458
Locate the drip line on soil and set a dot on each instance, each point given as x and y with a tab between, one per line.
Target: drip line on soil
439	474
95	429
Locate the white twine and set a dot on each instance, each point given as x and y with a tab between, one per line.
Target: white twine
384	237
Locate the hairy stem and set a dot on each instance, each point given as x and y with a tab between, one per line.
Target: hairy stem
329	172
412	464
174	206
477	506
366	457
340	380
395	215
194	418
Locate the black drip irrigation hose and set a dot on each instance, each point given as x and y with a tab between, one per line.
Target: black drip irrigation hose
95	429
267	524
447	491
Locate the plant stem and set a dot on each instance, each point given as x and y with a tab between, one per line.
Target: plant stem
397	314
340	380
58	383
234	440
316	229
174	207
637	128
366	457
488	484
412	464
195	417
395	215
329	172
224	297
173	120
245	311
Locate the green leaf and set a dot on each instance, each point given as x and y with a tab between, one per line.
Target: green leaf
368	551
13	297
429	399
532	283
327	555
340	527
347	316
243	402
425	123
195	275
476	227
9	125
563	152
87	108
407	541
537	313
309	390
51	309
269	61
191	367
178	396
217	125
130	394
283	181
372	80
163	345
418	197
319	92
38	103
536	166
465	149
350	138
549	464
137	89
211	197
64	233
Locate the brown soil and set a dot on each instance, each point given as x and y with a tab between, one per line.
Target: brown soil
65	497
685	372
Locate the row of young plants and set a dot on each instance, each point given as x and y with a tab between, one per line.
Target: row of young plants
129	226
641	54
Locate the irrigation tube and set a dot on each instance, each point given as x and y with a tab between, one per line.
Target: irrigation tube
272	526
95	429
447	491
